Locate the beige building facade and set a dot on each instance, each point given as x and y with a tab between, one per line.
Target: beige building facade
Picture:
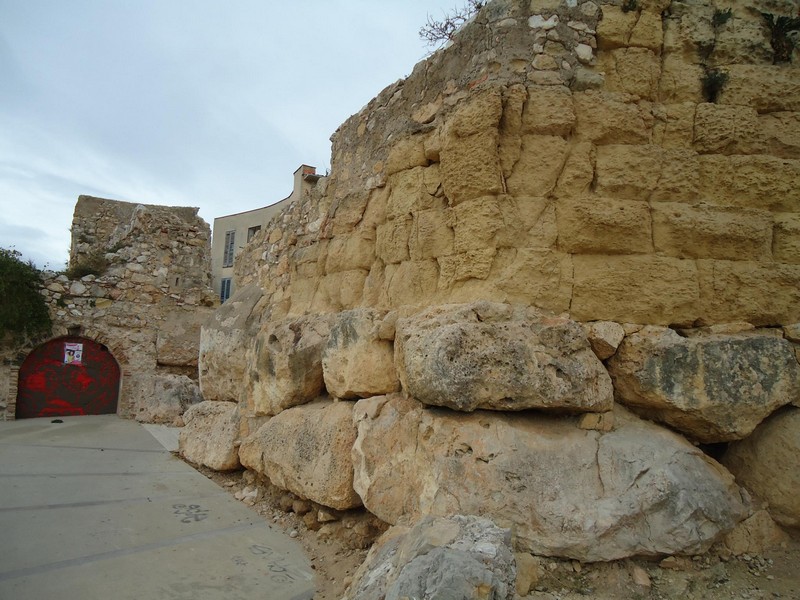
232	232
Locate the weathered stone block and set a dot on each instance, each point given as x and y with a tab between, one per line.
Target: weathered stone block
578	172
592	225
625	171
356	362
539	277
475	224
768	464
548	111
158	398
408	193
539	166
634	71
222	364
585	495
444	356
744	39
648	30
456	557
406	154
635	289
209	435
676	129
479	112
286	364
759	293
431	235
714	388
755	535
348	212
763	87
411	283
471	167
752	181
611	118
473	264
786	238
679	179
727	129
306	450
527	223
707	231
782	133
614	29
342	290
348	252
179	348
680	81
392	239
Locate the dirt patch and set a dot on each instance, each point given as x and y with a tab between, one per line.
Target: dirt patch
336	543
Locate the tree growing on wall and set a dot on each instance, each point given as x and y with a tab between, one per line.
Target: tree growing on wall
23	311
439	31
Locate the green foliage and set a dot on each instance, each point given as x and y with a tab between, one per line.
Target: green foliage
91	264
23	311
630	5
785	36
720	18
713	82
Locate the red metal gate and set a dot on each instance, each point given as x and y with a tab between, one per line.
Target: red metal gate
68	376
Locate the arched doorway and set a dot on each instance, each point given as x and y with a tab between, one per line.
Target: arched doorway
68	376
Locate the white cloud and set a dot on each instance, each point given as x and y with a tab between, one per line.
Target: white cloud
187	102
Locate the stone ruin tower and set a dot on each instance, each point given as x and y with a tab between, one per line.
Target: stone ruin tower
133	298
553	280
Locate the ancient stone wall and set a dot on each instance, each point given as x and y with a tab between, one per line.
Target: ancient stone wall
571	162
548	267
139	284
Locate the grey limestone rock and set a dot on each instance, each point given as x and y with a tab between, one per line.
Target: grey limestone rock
441	559
713	388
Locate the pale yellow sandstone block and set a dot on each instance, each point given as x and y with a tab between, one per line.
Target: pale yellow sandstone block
597	225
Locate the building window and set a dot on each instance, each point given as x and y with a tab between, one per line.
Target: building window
225	289
230	241
252	231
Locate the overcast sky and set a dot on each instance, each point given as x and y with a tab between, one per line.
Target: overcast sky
205	103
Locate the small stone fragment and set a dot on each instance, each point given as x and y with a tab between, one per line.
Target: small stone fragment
640	577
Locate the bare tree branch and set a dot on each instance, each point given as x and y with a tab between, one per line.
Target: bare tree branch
436	32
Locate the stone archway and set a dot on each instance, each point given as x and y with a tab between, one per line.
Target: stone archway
69	375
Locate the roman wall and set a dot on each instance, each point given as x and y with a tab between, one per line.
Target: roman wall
554	280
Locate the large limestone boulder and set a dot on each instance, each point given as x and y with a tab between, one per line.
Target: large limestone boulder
714	388
222	363
768	464
499	357
454	557
286	364
306	450
637	490
358	361
178	338
210	434
755	535
161	398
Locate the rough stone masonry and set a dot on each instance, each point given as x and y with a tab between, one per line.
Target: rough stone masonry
137	282
547	268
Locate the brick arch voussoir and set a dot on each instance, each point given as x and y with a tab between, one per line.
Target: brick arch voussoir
115	346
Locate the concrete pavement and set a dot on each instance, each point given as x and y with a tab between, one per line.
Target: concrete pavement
95	507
